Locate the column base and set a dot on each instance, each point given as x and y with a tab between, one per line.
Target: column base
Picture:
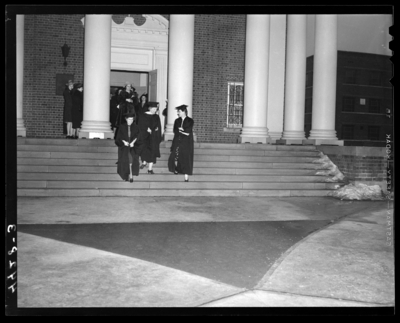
95	135
254	140
290	142
328	142
21	133
275	136
96	130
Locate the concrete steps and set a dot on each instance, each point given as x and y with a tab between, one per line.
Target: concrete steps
65	167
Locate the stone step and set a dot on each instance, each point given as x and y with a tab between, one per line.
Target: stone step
211	158
164	144
148	185
168	177
111	169
166	151
173	193
164	163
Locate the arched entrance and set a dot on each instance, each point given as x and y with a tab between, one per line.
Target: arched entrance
143	49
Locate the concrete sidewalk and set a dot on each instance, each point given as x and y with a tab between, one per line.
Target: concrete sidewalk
349	263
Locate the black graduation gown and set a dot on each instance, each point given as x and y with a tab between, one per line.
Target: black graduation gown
67	117
140	109
151	151
77	108
124	107
124	151
186	147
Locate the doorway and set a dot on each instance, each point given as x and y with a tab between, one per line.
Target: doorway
139	81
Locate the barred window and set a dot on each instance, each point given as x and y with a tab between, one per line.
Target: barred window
235	105
348	104
374	106
373	132
375	78
350	76
347	132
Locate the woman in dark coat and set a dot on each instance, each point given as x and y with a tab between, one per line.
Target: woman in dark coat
182	150
150	130
128	160
77	109
125	104
67	117
141	107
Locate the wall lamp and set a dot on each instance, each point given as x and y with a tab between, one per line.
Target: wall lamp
65	52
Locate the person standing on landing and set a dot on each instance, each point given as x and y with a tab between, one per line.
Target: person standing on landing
128	160
77	109
180	160
68	107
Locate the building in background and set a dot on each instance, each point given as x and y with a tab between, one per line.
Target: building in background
364	98
218	72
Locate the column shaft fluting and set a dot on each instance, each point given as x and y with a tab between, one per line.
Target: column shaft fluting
256	80
20	23
324	78
295	78
96	85
180	67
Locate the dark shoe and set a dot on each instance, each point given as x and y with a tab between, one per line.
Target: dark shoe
186	180
131	180
150	172
176	172
143	166
68	137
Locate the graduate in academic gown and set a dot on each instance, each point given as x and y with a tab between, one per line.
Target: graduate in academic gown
182	150
126	137
150	136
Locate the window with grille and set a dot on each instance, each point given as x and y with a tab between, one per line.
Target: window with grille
347	132
348	104
374	106
375	78
373	132
235	105
350	76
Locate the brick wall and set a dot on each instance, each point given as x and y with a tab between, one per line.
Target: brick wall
219	48
359	164
218	59
44	37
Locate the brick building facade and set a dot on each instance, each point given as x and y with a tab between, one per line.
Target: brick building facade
219	58
363	97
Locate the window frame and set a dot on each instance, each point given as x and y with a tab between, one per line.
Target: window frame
237	107
344	104
348	126
370	137
377	106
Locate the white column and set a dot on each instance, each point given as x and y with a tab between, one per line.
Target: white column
295	86
324	81
256	80
276	76
180	67
161	64
96	85
21	130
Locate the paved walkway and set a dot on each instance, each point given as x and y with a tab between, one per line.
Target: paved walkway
125	252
